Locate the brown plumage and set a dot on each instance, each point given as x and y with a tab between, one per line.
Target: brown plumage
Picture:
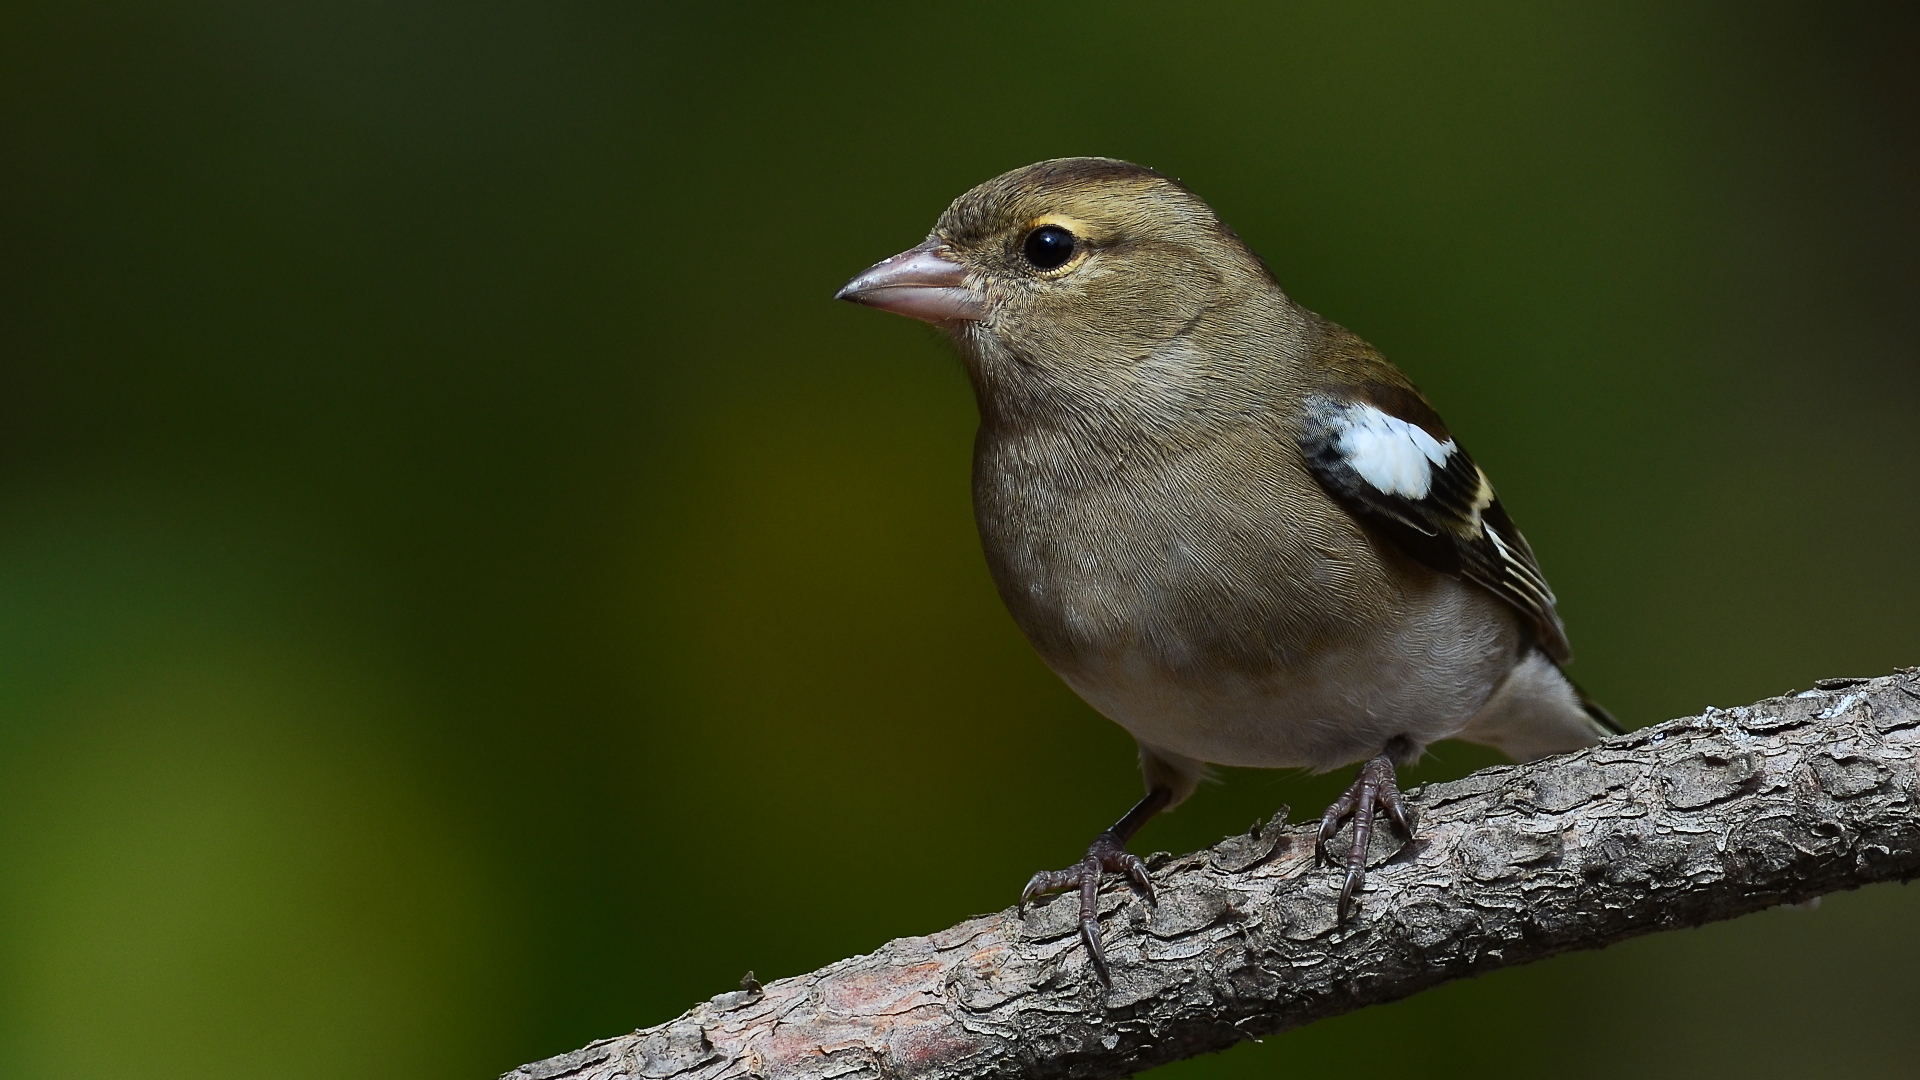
1229	524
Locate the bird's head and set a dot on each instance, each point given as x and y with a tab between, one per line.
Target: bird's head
1078	267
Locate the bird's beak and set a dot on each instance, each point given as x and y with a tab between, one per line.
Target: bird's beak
920	283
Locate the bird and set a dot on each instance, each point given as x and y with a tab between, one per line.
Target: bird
1226	522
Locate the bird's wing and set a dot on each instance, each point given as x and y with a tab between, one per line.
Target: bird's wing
1383	453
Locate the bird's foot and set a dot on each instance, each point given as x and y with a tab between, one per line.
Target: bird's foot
1375	789
1107	852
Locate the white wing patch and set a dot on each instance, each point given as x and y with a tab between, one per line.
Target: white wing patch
1396	457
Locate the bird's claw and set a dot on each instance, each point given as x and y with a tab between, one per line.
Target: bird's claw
1106	853
1374	789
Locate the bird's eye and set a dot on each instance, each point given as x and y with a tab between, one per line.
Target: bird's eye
1048	247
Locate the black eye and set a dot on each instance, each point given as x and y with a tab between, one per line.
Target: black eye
1048	246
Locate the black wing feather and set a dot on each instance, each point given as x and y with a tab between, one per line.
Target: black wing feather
1457	527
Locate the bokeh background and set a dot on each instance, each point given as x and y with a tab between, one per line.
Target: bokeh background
465	590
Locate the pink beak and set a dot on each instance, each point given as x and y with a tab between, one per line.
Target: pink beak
920	283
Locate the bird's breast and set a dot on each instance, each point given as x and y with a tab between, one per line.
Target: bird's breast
1222	607
1206	553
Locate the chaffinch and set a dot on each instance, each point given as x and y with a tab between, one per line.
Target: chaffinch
1228	523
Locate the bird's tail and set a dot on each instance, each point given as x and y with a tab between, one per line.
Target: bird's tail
1595	711
1539	711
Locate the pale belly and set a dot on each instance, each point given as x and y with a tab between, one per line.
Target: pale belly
1418	680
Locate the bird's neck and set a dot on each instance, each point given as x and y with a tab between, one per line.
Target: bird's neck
1174	391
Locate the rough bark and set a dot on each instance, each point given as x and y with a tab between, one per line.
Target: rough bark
1697	819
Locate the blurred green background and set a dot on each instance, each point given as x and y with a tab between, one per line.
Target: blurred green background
465	590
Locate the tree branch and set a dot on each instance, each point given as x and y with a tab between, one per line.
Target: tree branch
1694	820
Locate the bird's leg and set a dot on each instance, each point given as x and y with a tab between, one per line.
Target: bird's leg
1375	788
1107	852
